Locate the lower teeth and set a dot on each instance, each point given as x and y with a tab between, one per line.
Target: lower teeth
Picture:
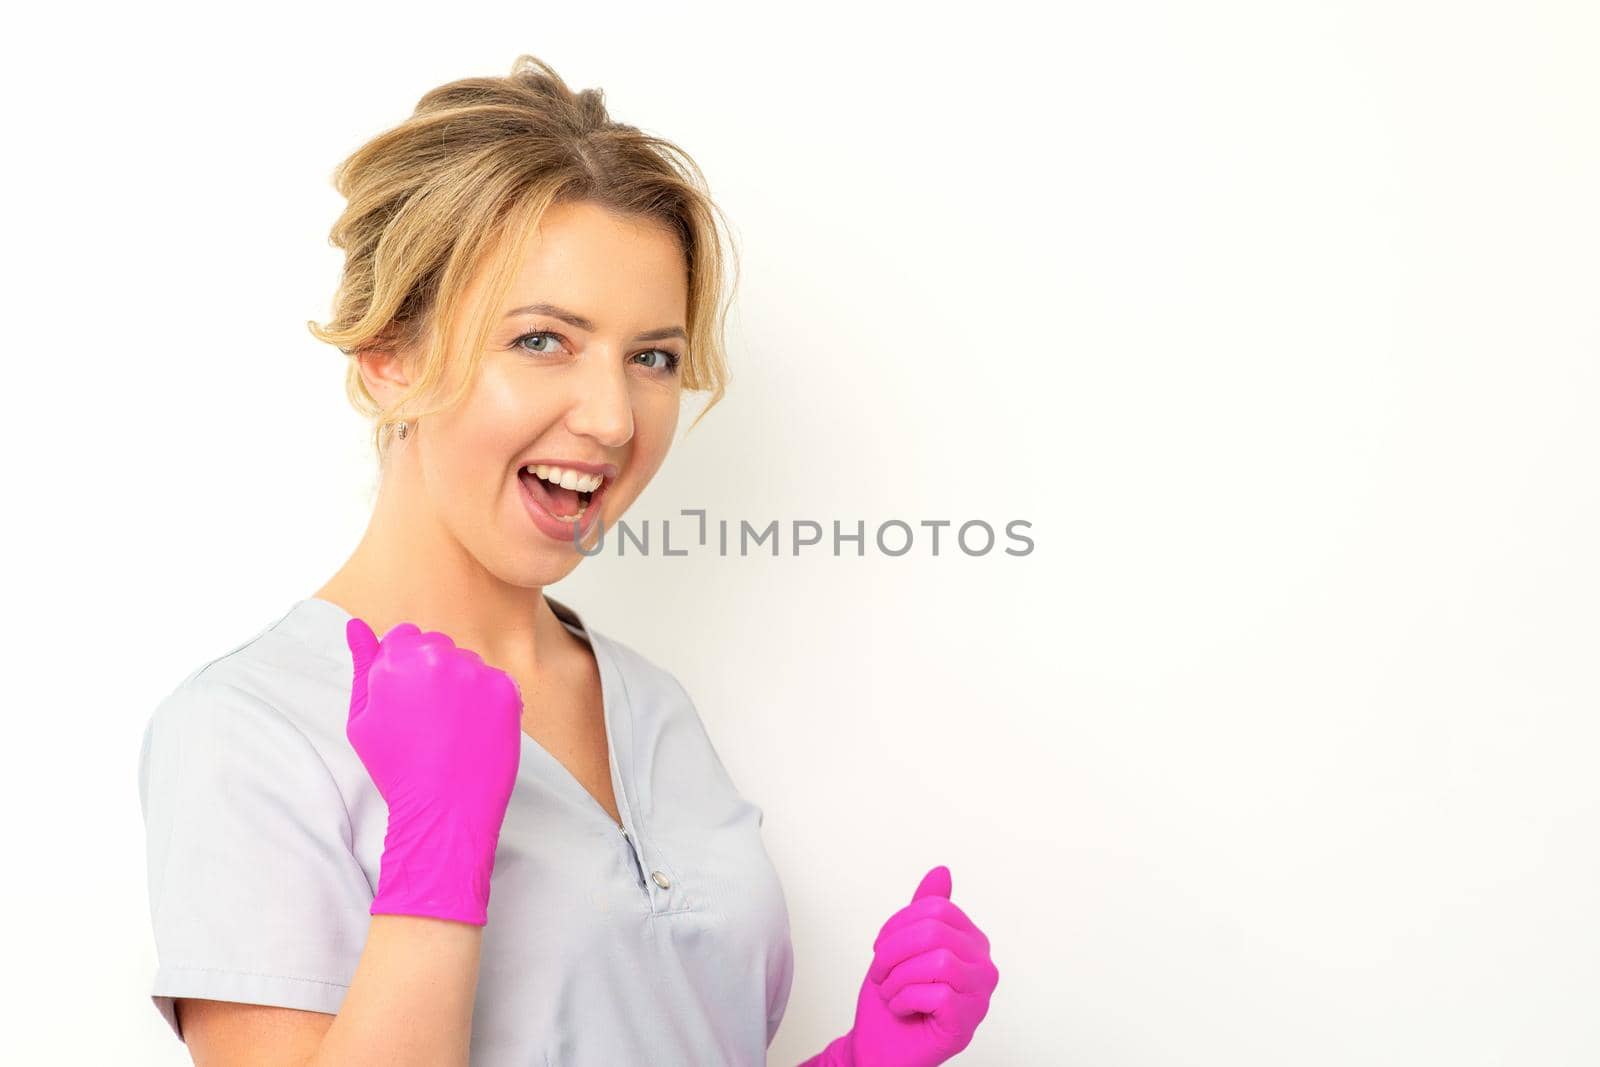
583	507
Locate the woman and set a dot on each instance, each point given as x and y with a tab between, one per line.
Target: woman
528	289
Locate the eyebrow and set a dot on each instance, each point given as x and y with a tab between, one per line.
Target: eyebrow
574	319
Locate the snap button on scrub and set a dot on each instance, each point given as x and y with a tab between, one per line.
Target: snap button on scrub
660	879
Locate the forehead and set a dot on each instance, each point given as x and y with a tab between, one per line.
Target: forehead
612	268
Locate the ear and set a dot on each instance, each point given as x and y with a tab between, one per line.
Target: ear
385	370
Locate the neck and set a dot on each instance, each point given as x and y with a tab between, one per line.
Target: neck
409	568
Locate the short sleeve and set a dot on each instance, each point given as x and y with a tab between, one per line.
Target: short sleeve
778	995
255	893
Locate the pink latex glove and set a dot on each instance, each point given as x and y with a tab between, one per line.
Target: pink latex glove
926	991
440	732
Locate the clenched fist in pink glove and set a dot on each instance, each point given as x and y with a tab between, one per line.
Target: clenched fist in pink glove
440	732
926	991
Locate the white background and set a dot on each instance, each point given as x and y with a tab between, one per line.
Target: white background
1276	320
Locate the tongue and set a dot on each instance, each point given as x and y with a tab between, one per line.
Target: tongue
557	500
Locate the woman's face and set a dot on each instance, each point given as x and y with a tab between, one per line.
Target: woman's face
591	383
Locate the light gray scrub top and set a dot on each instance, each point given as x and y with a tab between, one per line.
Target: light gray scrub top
663	941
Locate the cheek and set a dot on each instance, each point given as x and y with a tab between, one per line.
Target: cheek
480	449
655	424
470	452
497	417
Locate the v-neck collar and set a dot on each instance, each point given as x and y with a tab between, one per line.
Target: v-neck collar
613	699
321	624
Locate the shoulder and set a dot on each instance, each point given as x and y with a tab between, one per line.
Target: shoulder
225	752
217	705
213	725
266	690
657	702
649	685
670	728
638	673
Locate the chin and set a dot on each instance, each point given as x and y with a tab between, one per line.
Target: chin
534	572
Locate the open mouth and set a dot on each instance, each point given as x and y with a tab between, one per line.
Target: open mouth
565	495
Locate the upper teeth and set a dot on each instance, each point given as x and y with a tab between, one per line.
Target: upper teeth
583	483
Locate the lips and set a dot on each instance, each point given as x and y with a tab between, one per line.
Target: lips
558	501
542	504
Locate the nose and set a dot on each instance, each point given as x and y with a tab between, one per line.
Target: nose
602	407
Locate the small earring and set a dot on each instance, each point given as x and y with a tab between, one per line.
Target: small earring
400	430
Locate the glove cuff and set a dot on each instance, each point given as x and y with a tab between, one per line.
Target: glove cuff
436	869
837	1054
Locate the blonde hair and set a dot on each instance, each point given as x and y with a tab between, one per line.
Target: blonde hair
477	163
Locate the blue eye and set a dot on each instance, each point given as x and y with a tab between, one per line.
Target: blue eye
668	363
540	334
670	360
